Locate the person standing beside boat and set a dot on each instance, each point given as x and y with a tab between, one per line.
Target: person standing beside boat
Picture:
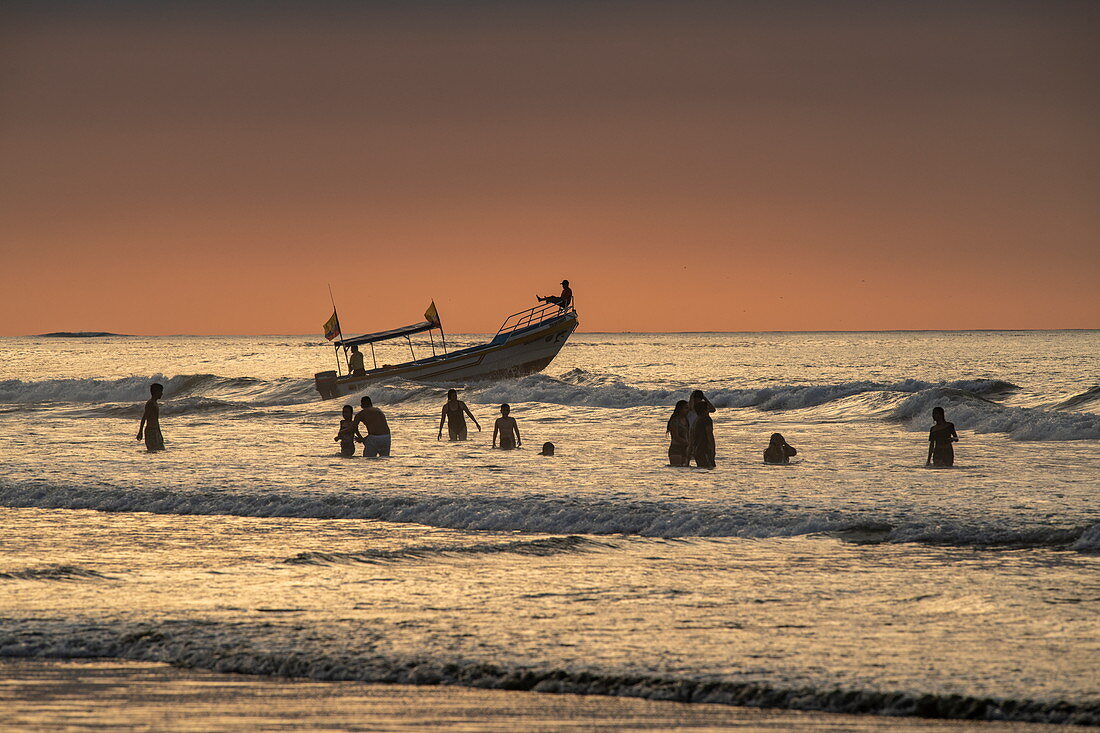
563	300
454	412
377	442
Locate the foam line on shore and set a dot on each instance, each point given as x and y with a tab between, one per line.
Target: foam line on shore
257	650
562	516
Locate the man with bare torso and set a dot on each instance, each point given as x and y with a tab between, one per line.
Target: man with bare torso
377	442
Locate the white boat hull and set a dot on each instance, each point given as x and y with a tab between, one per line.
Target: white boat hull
521	352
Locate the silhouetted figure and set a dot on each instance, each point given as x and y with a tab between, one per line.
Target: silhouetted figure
563	300
507	429
349	433
778	451
547	449
940	438
377	442
701	437
677	427
454	412
150	420
355	363
697	397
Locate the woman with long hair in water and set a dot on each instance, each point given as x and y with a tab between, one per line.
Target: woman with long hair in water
677	429
941	452
454	412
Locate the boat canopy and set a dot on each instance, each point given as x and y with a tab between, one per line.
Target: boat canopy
370	338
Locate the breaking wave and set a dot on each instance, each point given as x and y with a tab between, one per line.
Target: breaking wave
53	572
971	402
531	548
566	516
136	389
1087	397
970	411
266	649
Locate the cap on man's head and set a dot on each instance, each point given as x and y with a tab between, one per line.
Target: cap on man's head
565	282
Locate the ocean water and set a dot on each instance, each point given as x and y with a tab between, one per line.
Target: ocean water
854	580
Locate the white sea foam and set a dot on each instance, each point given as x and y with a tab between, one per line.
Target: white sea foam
569	516
968	400
969	411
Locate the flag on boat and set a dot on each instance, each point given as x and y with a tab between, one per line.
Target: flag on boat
332	326
432	315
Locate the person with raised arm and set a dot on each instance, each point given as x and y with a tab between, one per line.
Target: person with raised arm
701	438
778	450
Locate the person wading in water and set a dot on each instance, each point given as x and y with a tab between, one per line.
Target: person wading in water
454	412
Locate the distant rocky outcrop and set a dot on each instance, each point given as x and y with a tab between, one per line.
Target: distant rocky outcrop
79	334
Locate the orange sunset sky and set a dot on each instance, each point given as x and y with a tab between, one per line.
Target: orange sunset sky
688	166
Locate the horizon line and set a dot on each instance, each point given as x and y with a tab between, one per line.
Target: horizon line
109	334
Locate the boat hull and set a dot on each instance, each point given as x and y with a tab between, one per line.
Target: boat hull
522	352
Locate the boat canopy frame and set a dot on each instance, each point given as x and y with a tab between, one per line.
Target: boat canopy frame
519	321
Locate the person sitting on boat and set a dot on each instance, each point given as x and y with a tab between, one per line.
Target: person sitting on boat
563	300
355	363
778	450
507	429
377	442
454	412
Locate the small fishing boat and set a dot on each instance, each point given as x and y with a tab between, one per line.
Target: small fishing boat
525	343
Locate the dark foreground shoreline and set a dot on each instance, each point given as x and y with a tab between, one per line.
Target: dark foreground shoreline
97	694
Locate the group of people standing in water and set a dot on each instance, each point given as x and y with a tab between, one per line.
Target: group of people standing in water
506	434
690	427
691	431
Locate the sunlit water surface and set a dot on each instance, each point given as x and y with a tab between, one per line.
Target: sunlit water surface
853	580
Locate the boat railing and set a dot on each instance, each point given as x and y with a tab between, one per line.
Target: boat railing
532	317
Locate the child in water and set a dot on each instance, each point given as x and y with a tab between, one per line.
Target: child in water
677	428
940	438
778	451
507	429
150	420
349	432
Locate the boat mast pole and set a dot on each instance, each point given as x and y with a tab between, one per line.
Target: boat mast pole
336	347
